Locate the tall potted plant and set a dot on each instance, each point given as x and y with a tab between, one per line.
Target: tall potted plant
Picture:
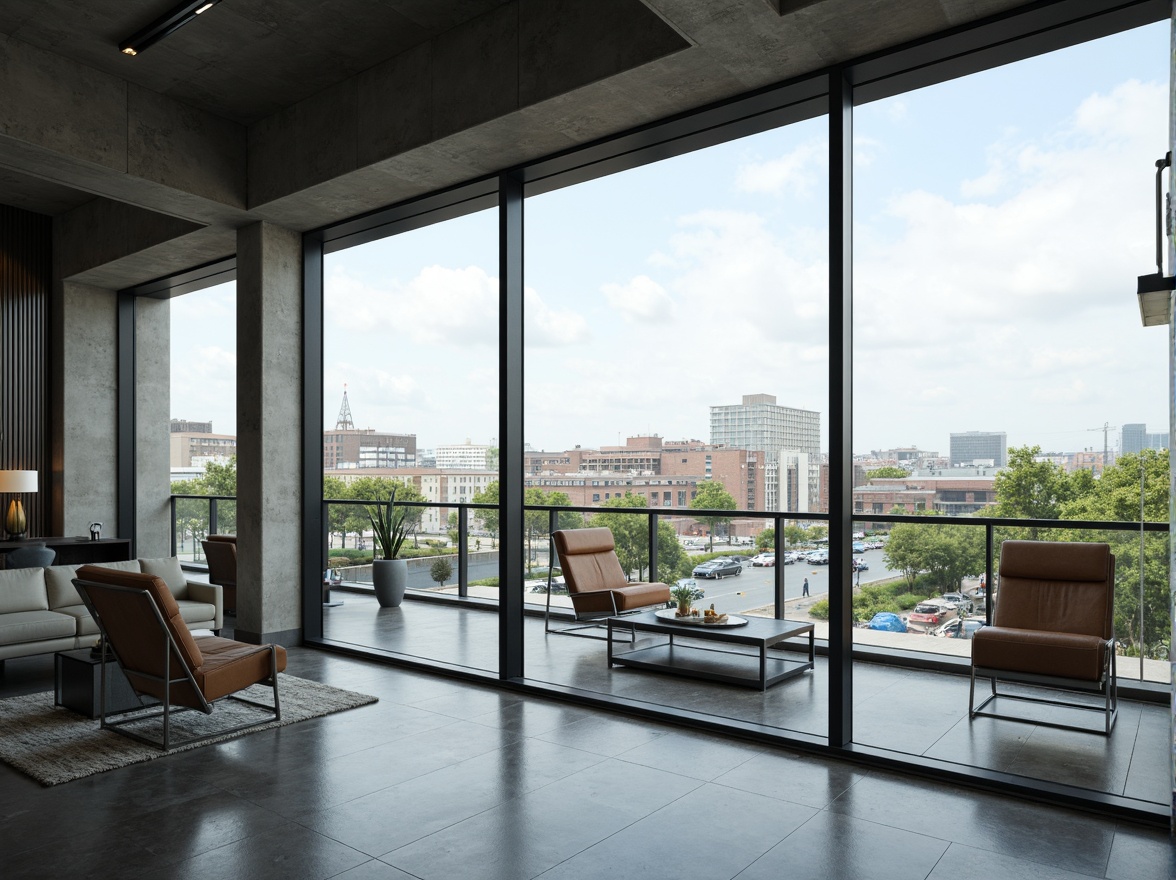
389	573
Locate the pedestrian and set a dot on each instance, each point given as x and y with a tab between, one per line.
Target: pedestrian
804	590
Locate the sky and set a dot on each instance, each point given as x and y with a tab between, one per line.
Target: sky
1000	222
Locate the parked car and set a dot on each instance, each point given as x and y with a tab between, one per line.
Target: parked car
717	568
792	556
960	628
818	557
859	547
861	565
963	604
887	621
765	559
874	545
930	614
738	557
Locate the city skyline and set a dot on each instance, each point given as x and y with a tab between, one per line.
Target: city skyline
710	284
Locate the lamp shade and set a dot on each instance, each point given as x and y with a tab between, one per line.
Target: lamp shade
18	481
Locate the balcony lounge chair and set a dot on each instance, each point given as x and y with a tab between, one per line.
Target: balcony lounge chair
221	553
141	625
1053	625
596	584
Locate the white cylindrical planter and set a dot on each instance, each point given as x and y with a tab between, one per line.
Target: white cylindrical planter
390	577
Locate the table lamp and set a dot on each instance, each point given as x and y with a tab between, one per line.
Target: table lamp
17	481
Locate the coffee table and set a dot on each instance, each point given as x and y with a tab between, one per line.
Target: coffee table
711	664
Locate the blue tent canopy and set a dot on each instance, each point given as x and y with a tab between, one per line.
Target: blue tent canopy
887	621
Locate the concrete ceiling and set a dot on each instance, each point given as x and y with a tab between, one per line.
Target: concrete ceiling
303	113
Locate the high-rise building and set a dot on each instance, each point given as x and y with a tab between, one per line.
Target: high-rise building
979	447
789	438
1135	438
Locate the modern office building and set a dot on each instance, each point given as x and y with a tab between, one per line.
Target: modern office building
463	456
789	438
979	448
1136	438
260	141
196	449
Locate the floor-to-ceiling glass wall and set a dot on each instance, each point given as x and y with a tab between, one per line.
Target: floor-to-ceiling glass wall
676	352
1001	371
203	429
410	411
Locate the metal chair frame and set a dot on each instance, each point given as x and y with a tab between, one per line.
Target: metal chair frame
1107	685
170	649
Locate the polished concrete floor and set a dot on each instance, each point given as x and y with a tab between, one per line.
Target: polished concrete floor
442	779
907	711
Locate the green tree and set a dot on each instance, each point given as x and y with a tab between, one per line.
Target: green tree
338	515
452	530
488	518
947	553
889	471
536	523
192	516
1116	496
766	540
713	495
1029	489
378	489
630	532
441	570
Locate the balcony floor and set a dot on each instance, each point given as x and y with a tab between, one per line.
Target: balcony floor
912	712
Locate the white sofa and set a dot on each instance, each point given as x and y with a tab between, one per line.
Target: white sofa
42	613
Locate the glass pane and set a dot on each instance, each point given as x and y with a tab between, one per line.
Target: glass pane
677	366
410	345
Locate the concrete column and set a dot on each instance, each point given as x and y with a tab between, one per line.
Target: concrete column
84	405
152	419
269	430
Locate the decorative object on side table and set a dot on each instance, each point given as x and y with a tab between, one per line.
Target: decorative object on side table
389	573
95	531
24	482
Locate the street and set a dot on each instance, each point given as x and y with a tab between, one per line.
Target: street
755	587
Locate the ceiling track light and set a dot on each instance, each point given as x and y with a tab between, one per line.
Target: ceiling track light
1155	291
166	24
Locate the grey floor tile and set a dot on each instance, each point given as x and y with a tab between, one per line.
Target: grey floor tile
968	863
691	754
374	870
831	845
711	832
400	814
532	717
800	779
529	834
604	734
1142	854
1038	833
282	854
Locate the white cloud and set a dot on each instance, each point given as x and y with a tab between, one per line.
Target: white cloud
642	300
551	328
796	171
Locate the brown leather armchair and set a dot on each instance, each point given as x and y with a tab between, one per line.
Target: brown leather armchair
1053	625
141	626
221	553
596	584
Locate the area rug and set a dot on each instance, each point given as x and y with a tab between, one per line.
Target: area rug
55	745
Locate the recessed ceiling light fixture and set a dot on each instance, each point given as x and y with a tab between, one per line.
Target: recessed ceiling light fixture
166	24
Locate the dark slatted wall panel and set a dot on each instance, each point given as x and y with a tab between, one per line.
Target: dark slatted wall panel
25	242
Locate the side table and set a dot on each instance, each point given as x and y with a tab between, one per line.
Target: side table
77	685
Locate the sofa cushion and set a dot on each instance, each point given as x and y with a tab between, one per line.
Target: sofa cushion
23	589
196	612
19	627
169	569
59	581
85	624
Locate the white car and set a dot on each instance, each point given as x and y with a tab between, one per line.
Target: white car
765	559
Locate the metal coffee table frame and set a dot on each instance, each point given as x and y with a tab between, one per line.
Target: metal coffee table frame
711	664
